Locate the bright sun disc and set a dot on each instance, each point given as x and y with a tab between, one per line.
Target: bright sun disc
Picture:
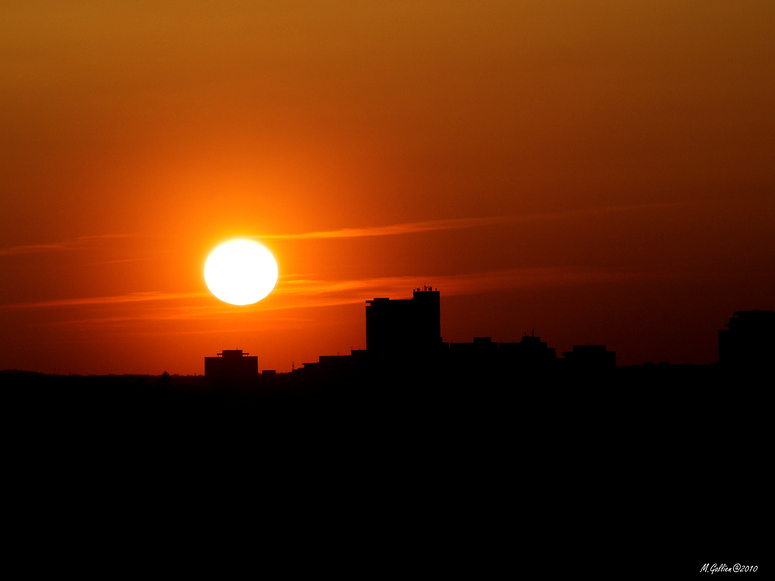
240	272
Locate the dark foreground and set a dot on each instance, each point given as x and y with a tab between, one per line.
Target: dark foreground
552	473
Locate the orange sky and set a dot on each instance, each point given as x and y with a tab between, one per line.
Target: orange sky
599	171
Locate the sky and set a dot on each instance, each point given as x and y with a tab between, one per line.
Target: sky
597	171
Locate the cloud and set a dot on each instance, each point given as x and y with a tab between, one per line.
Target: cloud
458	223
307	293
353	291
32	248
112	300
396	229
117	261
69	244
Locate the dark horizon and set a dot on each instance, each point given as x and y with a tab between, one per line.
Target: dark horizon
651	461
409	330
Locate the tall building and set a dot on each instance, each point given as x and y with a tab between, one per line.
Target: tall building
748	340
404	326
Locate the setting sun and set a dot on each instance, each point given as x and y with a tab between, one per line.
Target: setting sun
241	272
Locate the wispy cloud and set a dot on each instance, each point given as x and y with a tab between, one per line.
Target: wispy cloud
32	248
69	244
351	291
117	261
111	300
396	229
459	223
310	293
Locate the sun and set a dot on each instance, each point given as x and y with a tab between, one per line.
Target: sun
240	272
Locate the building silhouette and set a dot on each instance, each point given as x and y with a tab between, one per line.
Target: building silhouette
410	326
590	357
481	346
748	340
529	352
231	365
404	336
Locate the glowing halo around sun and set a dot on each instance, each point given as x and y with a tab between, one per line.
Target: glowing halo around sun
240	272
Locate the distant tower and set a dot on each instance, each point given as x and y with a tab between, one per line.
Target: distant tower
397	326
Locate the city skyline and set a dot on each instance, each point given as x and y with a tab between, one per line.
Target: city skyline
598	172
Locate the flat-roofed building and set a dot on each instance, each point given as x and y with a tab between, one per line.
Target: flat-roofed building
231	365
404	326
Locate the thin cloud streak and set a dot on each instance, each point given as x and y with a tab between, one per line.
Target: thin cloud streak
308	293
458	223
32	248
69	244
112	300
116	261
395	229
342	292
